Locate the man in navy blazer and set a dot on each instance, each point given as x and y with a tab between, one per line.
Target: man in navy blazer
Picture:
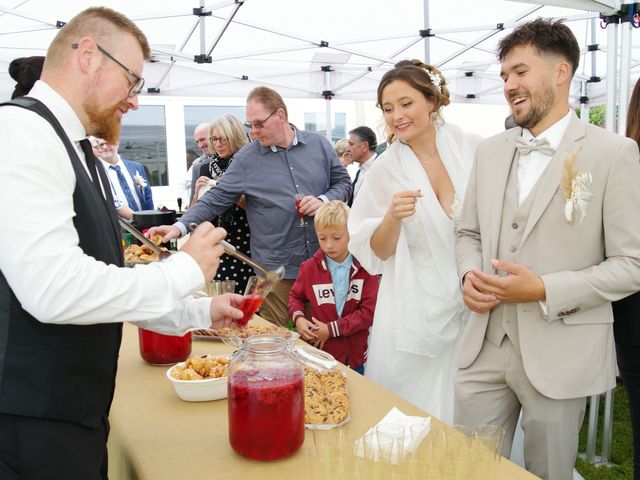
128	178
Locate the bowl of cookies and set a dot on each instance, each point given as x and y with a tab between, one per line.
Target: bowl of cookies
200	379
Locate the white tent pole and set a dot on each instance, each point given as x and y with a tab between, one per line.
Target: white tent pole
370	69
584	106
612	75
173	61
35	18
484	37
625	77
427	44
327	100
239	3
594	70
202	31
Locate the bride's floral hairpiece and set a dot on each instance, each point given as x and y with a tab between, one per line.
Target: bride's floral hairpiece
577	189
435	79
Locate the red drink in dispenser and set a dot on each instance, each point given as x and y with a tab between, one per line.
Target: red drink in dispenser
265	399
266	415
159	349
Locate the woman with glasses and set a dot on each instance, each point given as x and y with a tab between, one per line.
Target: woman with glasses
226	137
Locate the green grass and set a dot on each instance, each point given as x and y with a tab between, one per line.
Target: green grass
621	445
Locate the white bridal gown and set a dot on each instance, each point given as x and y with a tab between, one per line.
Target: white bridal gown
420	314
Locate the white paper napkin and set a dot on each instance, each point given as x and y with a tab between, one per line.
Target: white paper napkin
412	436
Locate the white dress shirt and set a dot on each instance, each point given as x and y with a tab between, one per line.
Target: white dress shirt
363	170
533	164
39	254
352	169
113	178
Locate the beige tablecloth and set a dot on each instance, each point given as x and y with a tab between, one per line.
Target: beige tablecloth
156	436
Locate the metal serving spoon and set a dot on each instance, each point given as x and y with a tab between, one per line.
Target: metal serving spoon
271	277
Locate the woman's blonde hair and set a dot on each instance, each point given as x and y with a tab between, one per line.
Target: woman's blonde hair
232	131
333	214
340	146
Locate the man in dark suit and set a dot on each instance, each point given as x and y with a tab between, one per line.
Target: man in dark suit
128	178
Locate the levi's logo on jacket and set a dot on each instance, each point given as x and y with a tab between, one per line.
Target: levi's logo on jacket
355	289
324	292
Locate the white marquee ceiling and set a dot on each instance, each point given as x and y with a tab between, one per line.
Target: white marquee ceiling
285	43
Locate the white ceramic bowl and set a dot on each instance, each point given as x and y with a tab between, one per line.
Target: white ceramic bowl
199	390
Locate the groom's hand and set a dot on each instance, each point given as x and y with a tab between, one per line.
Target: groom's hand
474	298
520	284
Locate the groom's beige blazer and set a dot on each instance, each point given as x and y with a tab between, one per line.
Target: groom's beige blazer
584	266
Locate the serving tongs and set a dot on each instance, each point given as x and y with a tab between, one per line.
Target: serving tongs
271	277
162	254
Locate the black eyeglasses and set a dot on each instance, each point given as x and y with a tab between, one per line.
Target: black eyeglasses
138	82
220	140
259	124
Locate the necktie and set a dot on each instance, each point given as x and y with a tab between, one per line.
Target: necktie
90	158
125	188
353	187
524	147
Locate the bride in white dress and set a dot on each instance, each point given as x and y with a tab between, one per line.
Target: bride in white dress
402	226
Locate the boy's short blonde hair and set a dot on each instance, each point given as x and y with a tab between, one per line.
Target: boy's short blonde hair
333	214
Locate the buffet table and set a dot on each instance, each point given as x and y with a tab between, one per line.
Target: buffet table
156	436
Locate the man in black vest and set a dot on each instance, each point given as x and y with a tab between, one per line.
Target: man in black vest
63	295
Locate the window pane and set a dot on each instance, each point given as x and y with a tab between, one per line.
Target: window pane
194	116
143	139
315	122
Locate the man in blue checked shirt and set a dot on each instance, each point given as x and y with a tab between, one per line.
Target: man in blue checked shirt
281	162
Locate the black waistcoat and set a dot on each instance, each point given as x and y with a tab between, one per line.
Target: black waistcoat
63	372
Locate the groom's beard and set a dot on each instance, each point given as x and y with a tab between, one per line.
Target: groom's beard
540	104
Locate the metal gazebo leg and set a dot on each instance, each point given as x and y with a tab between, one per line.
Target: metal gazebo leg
607	430
594	404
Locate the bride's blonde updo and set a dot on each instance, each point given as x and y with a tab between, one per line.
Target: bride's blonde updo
425	78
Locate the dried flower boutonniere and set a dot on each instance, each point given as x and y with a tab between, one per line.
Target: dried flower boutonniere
577	189
139	180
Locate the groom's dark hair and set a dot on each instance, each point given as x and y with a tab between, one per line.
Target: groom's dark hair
546	36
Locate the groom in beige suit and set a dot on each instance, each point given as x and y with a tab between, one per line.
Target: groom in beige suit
548	237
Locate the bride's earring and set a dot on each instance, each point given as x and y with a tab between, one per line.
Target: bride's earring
433	116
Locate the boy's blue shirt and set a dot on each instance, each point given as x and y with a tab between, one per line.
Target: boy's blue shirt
340	279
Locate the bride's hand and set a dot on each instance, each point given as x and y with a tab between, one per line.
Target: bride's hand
403	203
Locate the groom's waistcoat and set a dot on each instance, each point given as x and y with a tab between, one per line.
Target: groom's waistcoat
503	319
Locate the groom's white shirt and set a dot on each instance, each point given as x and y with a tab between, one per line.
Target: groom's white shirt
534	163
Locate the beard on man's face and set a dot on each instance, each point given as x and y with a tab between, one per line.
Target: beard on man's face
105	122
541	104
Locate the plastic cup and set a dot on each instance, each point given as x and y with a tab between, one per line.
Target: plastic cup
488	439
229	286
390	437
254	294
298	199
213	288
459	462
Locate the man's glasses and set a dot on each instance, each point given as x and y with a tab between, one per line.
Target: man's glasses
220	140
259	124
138	82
